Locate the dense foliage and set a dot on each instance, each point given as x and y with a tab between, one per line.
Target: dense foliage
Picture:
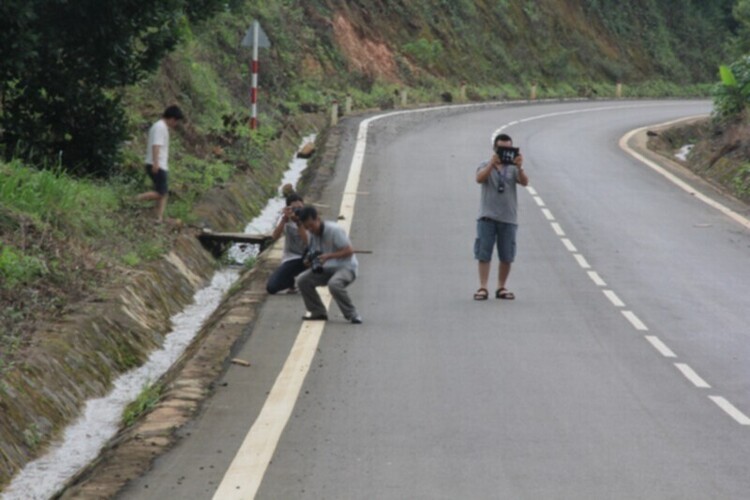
680	39
732	94
63	64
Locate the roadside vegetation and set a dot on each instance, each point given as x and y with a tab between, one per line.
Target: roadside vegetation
72	140
721	145
146	400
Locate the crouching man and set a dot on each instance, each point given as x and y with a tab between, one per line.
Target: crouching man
331	262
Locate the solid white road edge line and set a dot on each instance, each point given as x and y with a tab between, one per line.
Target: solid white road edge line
674	179
245	474
243	478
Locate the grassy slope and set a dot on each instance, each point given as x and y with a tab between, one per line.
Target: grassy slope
322	49
720	154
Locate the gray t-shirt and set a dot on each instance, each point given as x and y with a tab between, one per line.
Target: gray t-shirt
294	247
333	239
501	207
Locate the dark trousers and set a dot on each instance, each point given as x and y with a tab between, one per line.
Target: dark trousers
337	283
283	277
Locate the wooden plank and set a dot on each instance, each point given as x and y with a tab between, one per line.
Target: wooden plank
257	239
217	243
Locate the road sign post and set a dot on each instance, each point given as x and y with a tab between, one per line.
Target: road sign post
255	38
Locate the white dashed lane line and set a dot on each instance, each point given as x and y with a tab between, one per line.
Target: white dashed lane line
660	346
731	410
598	281
632	318
692	376
612	296
569	245
582	261
635	321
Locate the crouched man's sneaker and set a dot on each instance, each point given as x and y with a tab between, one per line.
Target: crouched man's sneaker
356	319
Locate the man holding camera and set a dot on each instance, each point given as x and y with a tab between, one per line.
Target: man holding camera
498	214
332	262
295	242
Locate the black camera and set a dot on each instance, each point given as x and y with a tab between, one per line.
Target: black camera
506	154
297	211
315	264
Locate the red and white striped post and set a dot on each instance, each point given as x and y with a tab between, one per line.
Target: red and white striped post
254	85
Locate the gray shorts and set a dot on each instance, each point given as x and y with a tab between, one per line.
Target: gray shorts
490	233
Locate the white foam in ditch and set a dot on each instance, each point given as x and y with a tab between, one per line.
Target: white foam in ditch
266	221
84	439
684	151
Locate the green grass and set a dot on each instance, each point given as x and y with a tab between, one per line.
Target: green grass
17	269
741	182
53	197
146	400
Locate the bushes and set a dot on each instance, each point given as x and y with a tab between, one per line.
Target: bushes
61	77
52	197
17	268
425	52
732	95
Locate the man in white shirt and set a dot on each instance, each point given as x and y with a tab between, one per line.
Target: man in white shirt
157	157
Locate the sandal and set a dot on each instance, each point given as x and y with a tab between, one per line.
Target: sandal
481	294
503	293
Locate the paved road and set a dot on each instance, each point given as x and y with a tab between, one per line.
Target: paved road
632	296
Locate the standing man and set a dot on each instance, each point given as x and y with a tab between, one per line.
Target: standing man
332	262
157	156
498	214
295	242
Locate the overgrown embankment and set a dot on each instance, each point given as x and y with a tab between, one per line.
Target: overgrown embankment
720	152
75	359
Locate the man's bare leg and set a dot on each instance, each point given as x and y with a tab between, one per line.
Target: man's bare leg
161	204
503	273
484	274
148	196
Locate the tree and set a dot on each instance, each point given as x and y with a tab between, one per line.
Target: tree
63	64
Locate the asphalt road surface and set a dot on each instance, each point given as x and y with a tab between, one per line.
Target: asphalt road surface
619	372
